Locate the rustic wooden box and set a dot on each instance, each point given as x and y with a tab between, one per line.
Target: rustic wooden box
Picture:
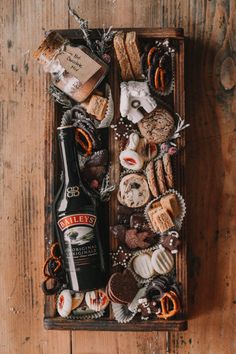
52	171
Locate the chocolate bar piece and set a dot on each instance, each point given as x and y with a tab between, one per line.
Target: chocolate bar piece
138	221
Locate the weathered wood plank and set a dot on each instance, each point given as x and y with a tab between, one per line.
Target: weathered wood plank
25	107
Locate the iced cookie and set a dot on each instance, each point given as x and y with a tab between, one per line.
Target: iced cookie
64	303
96	300
142	266
162	261
133	191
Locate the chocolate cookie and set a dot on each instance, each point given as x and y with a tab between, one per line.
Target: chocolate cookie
157	126
133	191
122	287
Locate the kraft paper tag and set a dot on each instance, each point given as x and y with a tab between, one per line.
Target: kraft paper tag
78	64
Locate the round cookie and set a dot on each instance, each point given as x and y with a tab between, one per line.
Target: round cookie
133	191
157	126
96	300
162	261
142	266
64	303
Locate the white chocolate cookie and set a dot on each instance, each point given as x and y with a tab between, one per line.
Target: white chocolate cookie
162	261
133	191
142	266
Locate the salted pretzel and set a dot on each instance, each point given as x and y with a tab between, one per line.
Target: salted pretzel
159	79
169	299
84	140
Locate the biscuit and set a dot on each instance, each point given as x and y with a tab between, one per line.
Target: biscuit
160	176
162	261
151	178
157	126
171	204
97	106
133	191
125	67
132	50
160	219
168	171
142	266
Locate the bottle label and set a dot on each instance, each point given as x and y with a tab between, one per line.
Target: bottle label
76	219
80	242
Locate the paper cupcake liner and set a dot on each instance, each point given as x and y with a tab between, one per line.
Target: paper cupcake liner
141	281
89	316
177	221
122	313
109	115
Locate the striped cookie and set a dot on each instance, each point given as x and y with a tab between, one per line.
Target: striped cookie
151	178
162	261
168	171
160	176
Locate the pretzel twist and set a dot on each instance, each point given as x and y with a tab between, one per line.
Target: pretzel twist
165	305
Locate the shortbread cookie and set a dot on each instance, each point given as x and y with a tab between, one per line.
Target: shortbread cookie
160	219
125	67
160	176
132	49
168	171
171	204
133	191
151	178
157	126
97	106
162	261
142	266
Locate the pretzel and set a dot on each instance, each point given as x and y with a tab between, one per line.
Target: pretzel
150	54
88	146
169	297
159	79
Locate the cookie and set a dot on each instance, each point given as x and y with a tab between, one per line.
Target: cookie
171	204
121	256
160	177
142	266
135	239
123	59
157	126
138	221
122	287
118	232
162	261
160	219
77	300
64	303
132	49
133	191
96	300
151	178
171	241
168	171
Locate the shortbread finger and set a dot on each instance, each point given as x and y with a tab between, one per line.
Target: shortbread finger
160	176
125	67
168	171
132	50
151	178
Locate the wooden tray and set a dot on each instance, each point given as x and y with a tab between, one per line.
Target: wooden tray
52	171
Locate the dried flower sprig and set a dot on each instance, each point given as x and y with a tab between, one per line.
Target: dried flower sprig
180	126
101	45
60	97
83	26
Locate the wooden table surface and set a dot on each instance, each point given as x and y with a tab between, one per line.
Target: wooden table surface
210	174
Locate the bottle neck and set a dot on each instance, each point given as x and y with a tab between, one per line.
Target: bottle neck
66	137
